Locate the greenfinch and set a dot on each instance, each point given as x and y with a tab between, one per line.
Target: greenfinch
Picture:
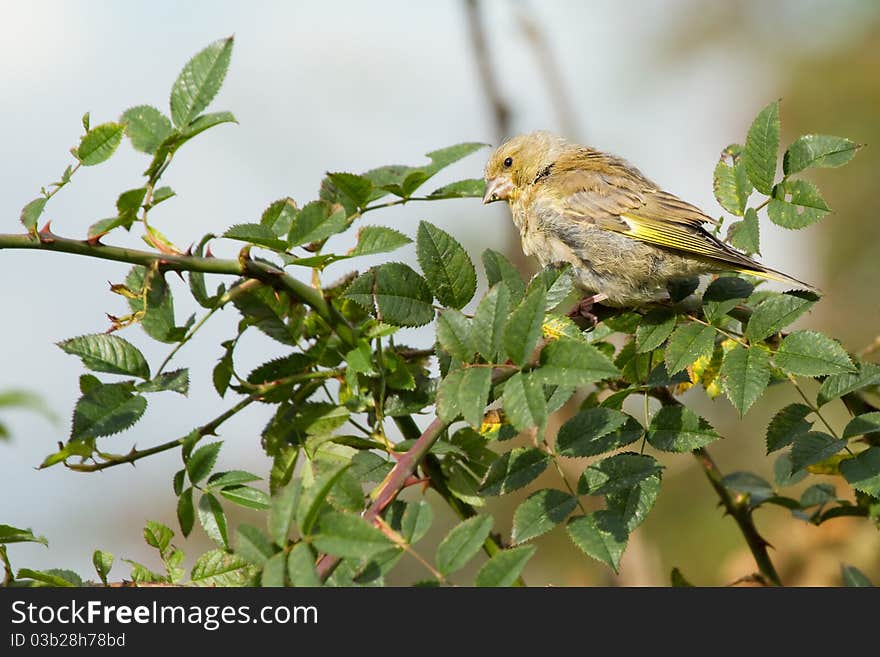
625	238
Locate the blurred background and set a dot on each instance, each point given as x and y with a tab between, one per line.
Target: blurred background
347	86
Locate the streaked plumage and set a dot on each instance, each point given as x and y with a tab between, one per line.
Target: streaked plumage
626	238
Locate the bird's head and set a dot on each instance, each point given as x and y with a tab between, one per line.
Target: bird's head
519	162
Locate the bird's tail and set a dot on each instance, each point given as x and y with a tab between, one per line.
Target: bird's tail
756	269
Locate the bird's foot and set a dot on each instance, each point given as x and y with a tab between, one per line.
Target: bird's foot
583	310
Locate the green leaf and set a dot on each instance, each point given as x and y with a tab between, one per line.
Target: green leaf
416	521
462	543
600	535
595	431
633	504
797	204
678	580
100	143
201	462
275	317
281	511
573	363
301	566
539	513
473	394
679	429
348	535
818	151
252	545
810	353
756	488
489	320
745	235
394	293
185	511
786	424
220	568
103	562
513	470
862	424
31	212
863	471
732	186
724	294
469	188
199	81
129	202
654	328
158	322
313	498
106	410
852	576
776	312
523	327
744	375
617	473
357	188
447	267
278	217
255	234
10	534
762	148
108	353
688	343
378	239
206	121
504	567
838	385
213	520
498	269
246	496
813	447
272	575
524	402
54	577
158	536
146	127
443	157
175	381
454	333
316	221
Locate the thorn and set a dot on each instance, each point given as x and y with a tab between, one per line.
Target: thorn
95	240
189	250
45	233
208	253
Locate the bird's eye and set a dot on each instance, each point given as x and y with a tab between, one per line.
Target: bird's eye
508	162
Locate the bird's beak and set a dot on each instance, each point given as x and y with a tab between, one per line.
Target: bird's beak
497	189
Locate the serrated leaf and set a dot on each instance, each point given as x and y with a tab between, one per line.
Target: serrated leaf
775	313
316	221
220	568
504	567
357	188
679	429
206	121
573	363
10	534
786	424
416	521
489	320
158	320
745	235
276	317
454	333
655	327
252	545
31	212
817	151
278	217
724	294
812	447
213	520
158	535
394	293
311	500
255	234
185	511
199	81
523	328
600	535
103	562
53	577
201	462
349	535
513	470
462	543
863	471
498	269
762	148
469	188
744	374
146	127
281	511
108	353
595	431
246	496
448	269
838	385
106	410
443	157
810	353
175	381
378	239
798	204
539	513
617	473
524	402
732	186
862	424
301	566
633	504
688	343
100	143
